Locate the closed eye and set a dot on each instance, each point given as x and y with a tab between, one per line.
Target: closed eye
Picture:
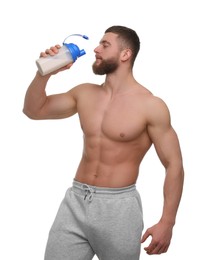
105	44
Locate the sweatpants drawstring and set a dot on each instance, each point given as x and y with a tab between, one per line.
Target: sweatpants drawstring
88	192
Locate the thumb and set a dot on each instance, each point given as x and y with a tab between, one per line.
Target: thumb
145	236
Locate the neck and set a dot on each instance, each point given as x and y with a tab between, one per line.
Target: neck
118	83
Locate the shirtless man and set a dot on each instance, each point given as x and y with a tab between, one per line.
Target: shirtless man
101	213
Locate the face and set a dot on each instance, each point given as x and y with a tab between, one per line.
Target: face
107	55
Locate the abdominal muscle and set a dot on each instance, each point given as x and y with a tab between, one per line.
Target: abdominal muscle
109	163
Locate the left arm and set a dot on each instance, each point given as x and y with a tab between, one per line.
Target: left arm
167	147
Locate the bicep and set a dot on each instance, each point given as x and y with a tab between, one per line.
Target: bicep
59	106
167	146
163	136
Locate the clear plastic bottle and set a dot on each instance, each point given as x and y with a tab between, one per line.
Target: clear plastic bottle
68	53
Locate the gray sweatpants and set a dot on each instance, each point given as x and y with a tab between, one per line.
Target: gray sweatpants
91	220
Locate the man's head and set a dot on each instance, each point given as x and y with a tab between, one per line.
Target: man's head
118	43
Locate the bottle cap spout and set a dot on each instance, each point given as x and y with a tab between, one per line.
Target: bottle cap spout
82	52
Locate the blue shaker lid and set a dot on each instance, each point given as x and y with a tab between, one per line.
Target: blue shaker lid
74	49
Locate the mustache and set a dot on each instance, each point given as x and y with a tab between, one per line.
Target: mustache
98	57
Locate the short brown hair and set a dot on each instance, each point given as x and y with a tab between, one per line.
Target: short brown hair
129	38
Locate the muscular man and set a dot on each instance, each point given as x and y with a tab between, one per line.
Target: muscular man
101	213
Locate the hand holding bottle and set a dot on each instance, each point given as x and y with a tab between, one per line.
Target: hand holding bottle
59	58
54	50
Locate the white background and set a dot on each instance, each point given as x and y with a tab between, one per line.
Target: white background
178	62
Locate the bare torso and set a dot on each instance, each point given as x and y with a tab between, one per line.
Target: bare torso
115	136
120	121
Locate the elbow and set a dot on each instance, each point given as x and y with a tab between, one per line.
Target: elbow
30	115
179	173
181	169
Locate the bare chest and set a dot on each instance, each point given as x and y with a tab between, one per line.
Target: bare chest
119	120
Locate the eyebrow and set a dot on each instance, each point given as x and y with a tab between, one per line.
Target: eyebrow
104	41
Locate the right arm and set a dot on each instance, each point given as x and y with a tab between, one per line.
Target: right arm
37	105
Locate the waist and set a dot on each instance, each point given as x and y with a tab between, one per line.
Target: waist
115	176
90	190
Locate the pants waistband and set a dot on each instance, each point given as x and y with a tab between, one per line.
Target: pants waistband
89	190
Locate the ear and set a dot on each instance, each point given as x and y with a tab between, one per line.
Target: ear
126	54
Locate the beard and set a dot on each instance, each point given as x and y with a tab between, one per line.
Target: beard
105	66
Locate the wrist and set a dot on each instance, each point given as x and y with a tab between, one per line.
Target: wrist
45	77
168	221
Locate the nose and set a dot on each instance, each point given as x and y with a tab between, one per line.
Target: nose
96	50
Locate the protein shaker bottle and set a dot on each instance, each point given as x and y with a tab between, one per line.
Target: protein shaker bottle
68	53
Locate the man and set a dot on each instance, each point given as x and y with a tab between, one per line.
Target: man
101	213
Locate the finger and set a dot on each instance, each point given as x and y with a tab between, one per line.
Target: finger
54	49
145	236
69	66
51	51
43	54
165	249
154	246
150	249
159	250
156	250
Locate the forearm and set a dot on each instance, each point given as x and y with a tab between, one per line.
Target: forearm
35	96
173	187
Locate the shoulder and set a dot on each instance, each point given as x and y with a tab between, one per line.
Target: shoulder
83	89
85	86
156	103
152	102
156	110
